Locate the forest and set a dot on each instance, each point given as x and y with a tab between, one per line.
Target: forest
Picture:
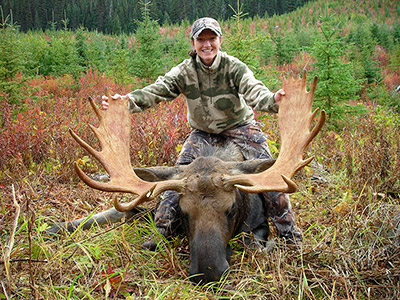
348	202
118	16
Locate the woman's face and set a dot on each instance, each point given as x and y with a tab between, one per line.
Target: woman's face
207	45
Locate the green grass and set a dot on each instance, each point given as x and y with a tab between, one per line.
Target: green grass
346	254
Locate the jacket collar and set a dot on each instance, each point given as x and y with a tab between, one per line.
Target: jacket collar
213	68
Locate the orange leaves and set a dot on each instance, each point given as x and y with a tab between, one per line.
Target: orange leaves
112	282
157	133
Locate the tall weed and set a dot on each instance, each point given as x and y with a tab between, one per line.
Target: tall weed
368	150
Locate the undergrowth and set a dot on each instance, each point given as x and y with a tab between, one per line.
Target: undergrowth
346	254
347	208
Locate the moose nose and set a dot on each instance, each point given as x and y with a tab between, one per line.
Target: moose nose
210	274
208	257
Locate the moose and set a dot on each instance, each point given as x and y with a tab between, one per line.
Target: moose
219	191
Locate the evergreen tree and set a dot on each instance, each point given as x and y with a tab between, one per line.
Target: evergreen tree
61	57
121	62
272	8
99	52
266	48
99	14
291	5
57	12
113	25
336	83
240	43
36	48
166	20
11	61
279	51
364	45
176	49
147	58
81	47
285	45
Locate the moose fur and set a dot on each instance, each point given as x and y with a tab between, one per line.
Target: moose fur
211	213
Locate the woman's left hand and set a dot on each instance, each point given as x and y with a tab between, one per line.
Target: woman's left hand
278	96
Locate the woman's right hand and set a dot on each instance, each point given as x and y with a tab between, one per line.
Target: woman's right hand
105	99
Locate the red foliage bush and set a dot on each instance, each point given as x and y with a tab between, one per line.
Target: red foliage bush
391	79
38	138
157	133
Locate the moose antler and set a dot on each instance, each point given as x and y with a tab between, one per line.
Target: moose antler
295	118
113	134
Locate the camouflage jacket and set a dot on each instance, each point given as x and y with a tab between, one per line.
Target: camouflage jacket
218	97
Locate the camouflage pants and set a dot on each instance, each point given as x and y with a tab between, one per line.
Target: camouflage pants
252	143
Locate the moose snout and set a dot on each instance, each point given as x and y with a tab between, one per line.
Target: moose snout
208	259
211	274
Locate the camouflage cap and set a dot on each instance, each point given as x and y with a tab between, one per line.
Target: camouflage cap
205	23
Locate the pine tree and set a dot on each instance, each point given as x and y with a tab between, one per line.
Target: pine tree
11	61
280	54
81	47
58	12
364	45
336	83
176	48
396	33
166	19
290	5
240	43
61	57
147	58
121	63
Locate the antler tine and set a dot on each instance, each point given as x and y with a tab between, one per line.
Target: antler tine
313	85
318	126
113	134
160	187
83	144
95	108
295	120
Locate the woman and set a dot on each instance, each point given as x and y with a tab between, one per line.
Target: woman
220	92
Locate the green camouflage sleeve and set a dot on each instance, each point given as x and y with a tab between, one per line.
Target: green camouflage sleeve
256	94
165	88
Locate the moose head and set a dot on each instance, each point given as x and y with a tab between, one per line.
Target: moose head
214	193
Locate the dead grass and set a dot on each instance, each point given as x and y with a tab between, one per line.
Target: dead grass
349	252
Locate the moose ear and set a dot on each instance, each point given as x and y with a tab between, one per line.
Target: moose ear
154	174
253	166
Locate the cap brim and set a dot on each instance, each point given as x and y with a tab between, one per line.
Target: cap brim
196	35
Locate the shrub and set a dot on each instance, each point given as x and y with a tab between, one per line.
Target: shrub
38	139
367	150
157	134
